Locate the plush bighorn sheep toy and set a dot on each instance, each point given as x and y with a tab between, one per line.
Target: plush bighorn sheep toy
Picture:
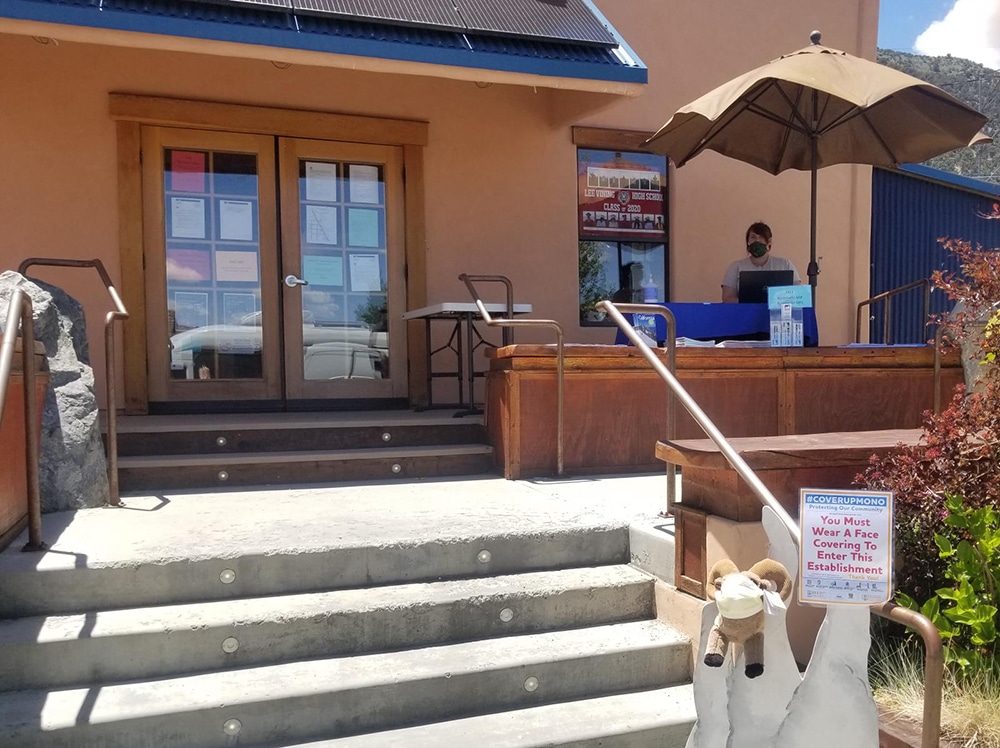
740	596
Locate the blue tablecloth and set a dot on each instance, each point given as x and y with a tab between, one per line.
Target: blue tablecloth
722	321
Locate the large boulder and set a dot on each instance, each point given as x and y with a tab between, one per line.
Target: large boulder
73	469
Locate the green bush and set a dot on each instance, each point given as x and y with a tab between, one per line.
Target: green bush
946	547
957	455
965	612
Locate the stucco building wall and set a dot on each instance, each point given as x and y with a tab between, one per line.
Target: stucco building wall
500	168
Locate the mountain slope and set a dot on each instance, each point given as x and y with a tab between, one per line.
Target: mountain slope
970	82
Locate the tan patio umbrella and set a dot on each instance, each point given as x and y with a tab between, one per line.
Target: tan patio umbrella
818	107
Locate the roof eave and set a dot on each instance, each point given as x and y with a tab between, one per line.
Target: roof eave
87	24
951	179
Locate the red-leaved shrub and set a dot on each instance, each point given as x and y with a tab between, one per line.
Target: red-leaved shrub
958	451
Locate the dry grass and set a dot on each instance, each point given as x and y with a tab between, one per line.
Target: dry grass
970	711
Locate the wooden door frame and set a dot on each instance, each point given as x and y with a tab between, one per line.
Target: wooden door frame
131	111
154	139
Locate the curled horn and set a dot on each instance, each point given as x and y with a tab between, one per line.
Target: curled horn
774	571
719	570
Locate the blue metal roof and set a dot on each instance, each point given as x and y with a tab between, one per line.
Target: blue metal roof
912	208
272	27
953	179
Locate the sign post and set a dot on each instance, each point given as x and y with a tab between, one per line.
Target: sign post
846	553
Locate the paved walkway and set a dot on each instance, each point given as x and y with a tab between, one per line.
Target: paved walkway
194	525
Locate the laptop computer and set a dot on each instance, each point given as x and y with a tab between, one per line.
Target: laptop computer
753	284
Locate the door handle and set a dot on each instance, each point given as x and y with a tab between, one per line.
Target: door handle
292	281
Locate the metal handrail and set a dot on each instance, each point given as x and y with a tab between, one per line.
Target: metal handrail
732	456
938	335
469	281
887	296
671	430
934	655
507	335
930	732
118	313
20	313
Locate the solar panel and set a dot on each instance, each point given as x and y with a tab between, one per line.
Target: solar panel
555	21
258	4
565	20
284	4
434	13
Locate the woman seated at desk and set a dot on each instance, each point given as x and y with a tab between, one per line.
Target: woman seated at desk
759	257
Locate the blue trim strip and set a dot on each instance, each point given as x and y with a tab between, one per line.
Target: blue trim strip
289	38
614	32
957	180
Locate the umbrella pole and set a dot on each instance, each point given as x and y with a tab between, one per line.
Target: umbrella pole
813	269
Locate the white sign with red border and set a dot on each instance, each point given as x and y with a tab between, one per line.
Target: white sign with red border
846	553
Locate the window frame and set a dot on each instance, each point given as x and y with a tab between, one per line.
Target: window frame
620	142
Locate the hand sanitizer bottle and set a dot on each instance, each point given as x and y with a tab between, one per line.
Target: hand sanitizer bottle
649	295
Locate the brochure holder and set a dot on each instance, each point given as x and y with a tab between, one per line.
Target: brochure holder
784	305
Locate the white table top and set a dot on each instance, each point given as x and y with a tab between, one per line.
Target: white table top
456	308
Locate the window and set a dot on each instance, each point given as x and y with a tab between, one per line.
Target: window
622	227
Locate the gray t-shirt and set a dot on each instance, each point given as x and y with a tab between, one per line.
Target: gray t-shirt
732	276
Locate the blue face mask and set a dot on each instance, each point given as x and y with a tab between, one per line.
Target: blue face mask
757	249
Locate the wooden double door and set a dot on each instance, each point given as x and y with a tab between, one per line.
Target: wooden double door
273	269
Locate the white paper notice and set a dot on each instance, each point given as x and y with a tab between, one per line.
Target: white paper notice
323	271
321	224
321	181
239	309
846	553
236	266
236	220
363	227
190	310
364	184
365	275
187	218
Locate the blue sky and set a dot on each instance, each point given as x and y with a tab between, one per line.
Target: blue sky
902	21
962	28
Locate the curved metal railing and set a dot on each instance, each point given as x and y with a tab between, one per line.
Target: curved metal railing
118	313
938	341
887	297
704	422
933	666
934	655
671	428
20	314
469	281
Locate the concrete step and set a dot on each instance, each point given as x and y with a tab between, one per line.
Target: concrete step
660	718
345	696
59	651
155	572
271	468
244	433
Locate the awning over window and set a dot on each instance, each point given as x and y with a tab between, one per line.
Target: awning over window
566	39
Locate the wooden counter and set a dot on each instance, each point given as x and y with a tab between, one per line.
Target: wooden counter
616	404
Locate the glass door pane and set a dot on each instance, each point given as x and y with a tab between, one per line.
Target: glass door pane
342	239
213	264
342	270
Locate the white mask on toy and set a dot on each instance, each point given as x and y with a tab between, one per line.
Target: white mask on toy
739	597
